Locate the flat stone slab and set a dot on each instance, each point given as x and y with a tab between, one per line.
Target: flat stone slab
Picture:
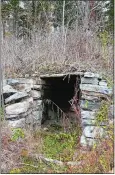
8	89
60	75
90	105
91	75
25	81
19	108
90	97
16	96
88	114
12	82
86	122
92	122
95	88
18	116
90	94
87	80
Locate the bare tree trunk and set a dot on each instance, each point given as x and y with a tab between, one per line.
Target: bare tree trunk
63	20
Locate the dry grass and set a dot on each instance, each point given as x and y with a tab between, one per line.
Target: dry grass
55	53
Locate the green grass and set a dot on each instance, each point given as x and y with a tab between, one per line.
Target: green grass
60	146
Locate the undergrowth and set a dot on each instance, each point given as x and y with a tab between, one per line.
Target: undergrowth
60	145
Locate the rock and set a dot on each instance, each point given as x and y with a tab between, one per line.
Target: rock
12	82
16	96
90	105
87	141
29	119
89	80
45	129
103	83
95	88
86	122
17	123
26	81
36	87
71	163
9	89
37	115
49	161
90	94
34	75
37	104
27	75
111	122
23	87
35	94
88	114
4	82
91	98
18	116
111	111
91	75
19	108
93	132
91	122
32	119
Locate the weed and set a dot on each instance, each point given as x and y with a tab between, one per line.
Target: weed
60	146
17	133
102	114
15	171
1	114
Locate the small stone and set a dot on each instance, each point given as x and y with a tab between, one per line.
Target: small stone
103	83
71	163
45	129
27	75
16	96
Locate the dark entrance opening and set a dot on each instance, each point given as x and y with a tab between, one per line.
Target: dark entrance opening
60	95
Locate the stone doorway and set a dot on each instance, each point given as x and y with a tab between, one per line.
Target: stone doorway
61	98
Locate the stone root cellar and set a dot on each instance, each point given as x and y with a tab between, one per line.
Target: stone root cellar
32	102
